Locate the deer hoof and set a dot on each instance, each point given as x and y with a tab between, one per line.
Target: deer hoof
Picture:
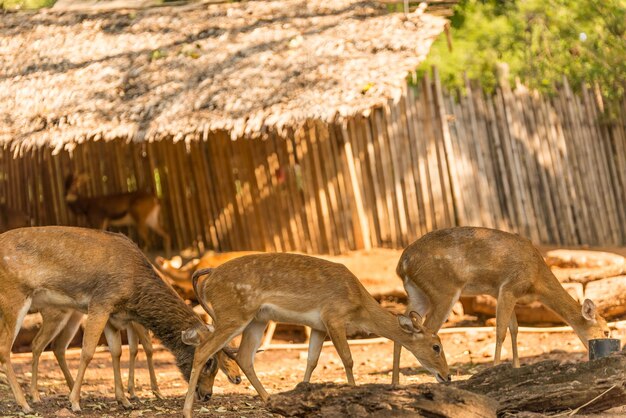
125	403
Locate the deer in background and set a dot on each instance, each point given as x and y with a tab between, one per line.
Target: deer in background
180	276
467	261
99	273
139	209
12	219
243	294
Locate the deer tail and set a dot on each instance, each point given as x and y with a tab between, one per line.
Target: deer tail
194	282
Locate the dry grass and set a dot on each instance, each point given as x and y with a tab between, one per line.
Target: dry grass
183	71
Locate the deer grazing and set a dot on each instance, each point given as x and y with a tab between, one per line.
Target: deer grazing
102	274
180	276
59	326
443	265
12	219
139	209
247	292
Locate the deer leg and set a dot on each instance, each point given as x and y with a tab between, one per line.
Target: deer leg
419	302
307	334
504	310
62	341
337	332
250	341
206	350
513	331
53	322
103	223
167	240
316	341
96	322
114	340
11	318
438	313
142	230
395	374
269	334
133	348
146	342
154	222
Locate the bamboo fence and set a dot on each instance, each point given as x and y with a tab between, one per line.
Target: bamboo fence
552	168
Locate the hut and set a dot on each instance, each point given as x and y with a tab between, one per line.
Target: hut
233	114
296	125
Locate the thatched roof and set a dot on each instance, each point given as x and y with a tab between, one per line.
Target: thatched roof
67	77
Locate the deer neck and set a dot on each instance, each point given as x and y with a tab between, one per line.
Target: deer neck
156	306
380	321
560	301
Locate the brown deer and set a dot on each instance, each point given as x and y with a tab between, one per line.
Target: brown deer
443	265
102	274
180	277
12	219
59	326
247	292
139	209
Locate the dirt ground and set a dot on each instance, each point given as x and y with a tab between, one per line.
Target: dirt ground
280	370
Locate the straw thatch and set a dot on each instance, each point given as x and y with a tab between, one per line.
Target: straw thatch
68	77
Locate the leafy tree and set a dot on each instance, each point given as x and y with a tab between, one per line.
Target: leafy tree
541	40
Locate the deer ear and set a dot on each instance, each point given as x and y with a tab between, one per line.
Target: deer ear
416	319
406	324
196	335
589	310
191	337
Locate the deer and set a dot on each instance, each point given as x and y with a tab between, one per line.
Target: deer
11	219
180	276
140	209
243	294
59	326
448	263
101	274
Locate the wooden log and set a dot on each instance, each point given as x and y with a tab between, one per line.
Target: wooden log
609	295
414	158
554	386
406	152
584	266
375	400
356	128
421	144
448	164
298	220
373	156
394	136
344	190
364	231
321	192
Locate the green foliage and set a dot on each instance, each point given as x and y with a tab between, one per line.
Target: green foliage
25	4
541	40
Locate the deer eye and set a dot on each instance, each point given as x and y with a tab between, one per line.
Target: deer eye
437	348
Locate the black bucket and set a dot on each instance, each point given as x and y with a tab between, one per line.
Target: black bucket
602	347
